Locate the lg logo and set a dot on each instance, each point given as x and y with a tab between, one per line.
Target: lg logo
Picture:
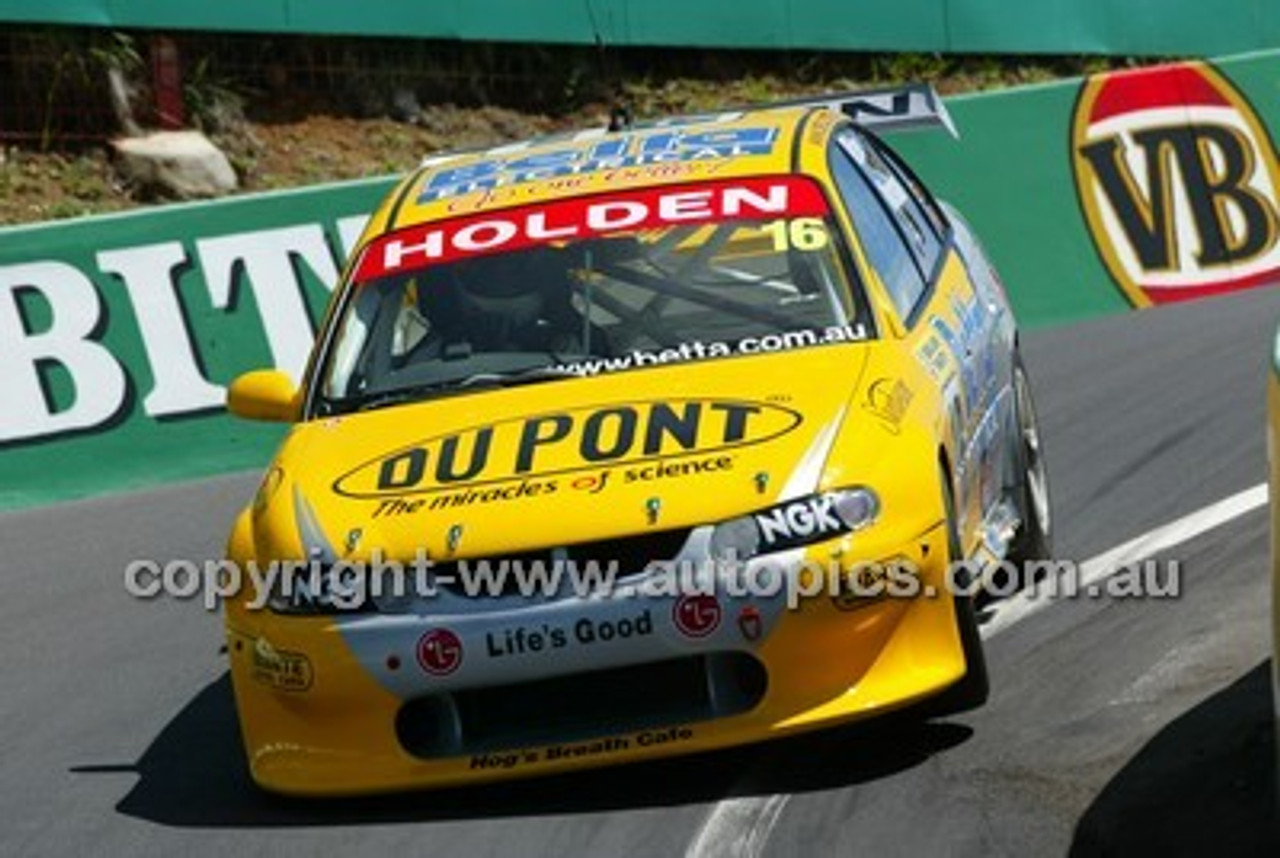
696	616
439	652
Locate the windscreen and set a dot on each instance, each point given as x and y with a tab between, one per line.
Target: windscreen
607	283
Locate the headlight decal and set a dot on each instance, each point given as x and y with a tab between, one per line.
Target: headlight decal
317	584
804	478
796	523
315	544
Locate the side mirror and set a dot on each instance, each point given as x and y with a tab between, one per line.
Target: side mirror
264	394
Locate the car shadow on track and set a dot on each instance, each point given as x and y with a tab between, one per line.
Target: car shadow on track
1204	785
194	774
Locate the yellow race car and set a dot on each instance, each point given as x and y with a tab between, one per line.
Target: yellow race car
619	445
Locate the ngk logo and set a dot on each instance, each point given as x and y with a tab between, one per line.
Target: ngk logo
1178	180
439	652
798	521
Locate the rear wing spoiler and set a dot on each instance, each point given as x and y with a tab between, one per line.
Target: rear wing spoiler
893	108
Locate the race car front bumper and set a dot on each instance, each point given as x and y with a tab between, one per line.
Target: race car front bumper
368	703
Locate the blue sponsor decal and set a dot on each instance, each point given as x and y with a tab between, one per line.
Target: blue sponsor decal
970	346
664	145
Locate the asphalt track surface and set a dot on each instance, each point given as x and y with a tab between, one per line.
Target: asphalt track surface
1114	727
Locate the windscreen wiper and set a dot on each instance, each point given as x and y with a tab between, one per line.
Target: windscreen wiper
477	380
533	375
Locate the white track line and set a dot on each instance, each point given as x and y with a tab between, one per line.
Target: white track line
737	827
1018	607
740	827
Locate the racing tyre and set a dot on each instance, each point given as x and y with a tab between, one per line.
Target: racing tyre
973	688
1034	539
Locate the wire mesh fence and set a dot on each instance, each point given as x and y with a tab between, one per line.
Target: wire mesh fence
53	88
62	85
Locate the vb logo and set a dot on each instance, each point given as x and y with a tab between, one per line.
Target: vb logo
1178	180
